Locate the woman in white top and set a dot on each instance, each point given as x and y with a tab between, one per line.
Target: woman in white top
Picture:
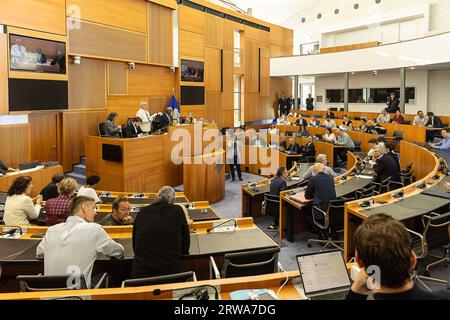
329	136
88	189
19	206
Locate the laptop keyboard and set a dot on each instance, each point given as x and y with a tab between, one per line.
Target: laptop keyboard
330	296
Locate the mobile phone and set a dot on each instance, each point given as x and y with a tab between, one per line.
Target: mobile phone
266	296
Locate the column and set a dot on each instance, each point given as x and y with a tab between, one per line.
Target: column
296	106
346	85
402	90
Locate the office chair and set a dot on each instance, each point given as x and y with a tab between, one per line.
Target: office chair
327	221
101	129
3	196
170	278
407	122
435	235
248	263
383	186
365	192
272	208
28	165
406	175
357	118
357	145
53	283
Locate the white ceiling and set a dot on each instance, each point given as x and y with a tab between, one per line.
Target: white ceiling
273	11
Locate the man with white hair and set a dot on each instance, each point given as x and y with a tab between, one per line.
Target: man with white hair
144	115
321	158
160	237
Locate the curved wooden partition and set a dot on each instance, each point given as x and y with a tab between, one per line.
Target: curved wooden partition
204	177
425	165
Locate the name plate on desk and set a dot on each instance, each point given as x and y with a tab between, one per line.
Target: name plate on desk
224	229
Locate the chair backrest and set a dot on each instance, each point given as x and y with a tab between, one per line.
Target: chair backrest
250	263
49	283
407	122
171	278
272	203
357	118
101	129
365	192
398	134
436	230
357	143
28	165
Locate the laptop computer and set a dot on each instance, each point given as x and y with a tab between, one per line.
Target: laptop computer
324	275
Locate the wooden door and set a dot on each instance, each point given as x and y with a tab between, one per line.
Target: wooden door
44	136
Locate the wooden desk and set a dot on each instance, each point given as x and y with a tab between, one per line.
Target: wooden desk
204	177
41	178
425	165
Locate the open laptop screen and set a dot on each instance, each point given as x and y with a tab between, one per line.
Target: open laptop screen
323	271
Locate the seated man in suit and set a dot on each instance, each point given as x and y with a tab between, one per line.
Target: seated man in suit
161	220
120	214
384	242
277	185
321	158
320	188
308	151
433	122
4	168
133	130
167	117
50	191
385	167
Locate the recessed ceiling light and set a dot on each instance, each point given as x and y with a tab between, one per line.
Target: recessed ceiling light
319	16
336	11
377	1
413	68
356	6
303	20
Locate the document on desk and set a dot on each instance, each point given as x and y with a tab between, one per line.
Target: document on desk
225	229
364	176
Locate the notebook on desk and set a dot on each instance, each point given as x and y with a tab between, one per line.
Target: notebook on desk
300	197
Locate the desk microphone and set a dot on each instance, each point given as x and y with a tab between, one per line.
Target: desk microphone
221	224
199	294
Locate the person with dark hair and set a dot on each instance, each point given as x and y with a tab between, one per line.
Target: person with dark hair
392	104
329	136
120	213
162	220
420	119
329	114
233	154
308	151
347	123
282	106
391	152
50	191
4	168
329	123
111	130
444	144
57	209
398	118
309	102
133	129
41	57
73	246
384	117
385	242
321	188
277	185
314	122
433	122
19	206
88	189
363	127
385	166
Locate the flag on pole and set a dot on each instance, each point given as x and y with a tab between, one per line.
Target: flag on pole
173	103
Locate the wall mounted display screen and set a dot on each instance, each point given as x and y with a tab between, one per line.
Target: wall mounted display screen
192	71
36	55
192	95
30	94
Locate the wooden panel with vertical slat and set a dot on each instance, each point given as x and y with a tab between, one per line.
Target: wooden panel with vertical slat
160	34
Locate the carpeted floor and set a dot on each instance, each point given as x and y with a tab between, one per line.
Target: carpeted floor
231	207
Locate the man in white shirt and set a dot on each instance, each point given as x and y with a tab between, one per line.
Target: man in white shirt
420	119
384	117
329	123
71	248
145	116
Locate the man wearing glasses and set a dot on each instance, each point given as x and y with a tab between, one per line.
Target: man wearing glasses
75	244
120	213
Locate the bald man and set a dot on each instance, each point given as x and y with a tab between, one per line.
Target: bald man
320	187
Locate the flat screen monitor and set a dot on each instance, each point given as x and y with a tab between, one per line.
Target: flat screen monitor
30	94
192	95
111	152
192	71
36	55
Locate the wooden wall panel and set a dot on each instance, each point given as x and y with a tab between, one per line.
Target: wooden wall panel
15	144
75	127
227	118
251	33
275	51
117	78
251	65
264	76
87	84
44	136
125	14
228	80
214	31
4	104
287	44
148	80
99	41
212	106
160	35
48	16
191	20
212	69
191	44
197	111
279	86
228	34
251	107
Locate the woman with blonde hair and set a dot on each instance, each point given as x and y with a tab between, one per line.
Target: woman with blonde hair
57	209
